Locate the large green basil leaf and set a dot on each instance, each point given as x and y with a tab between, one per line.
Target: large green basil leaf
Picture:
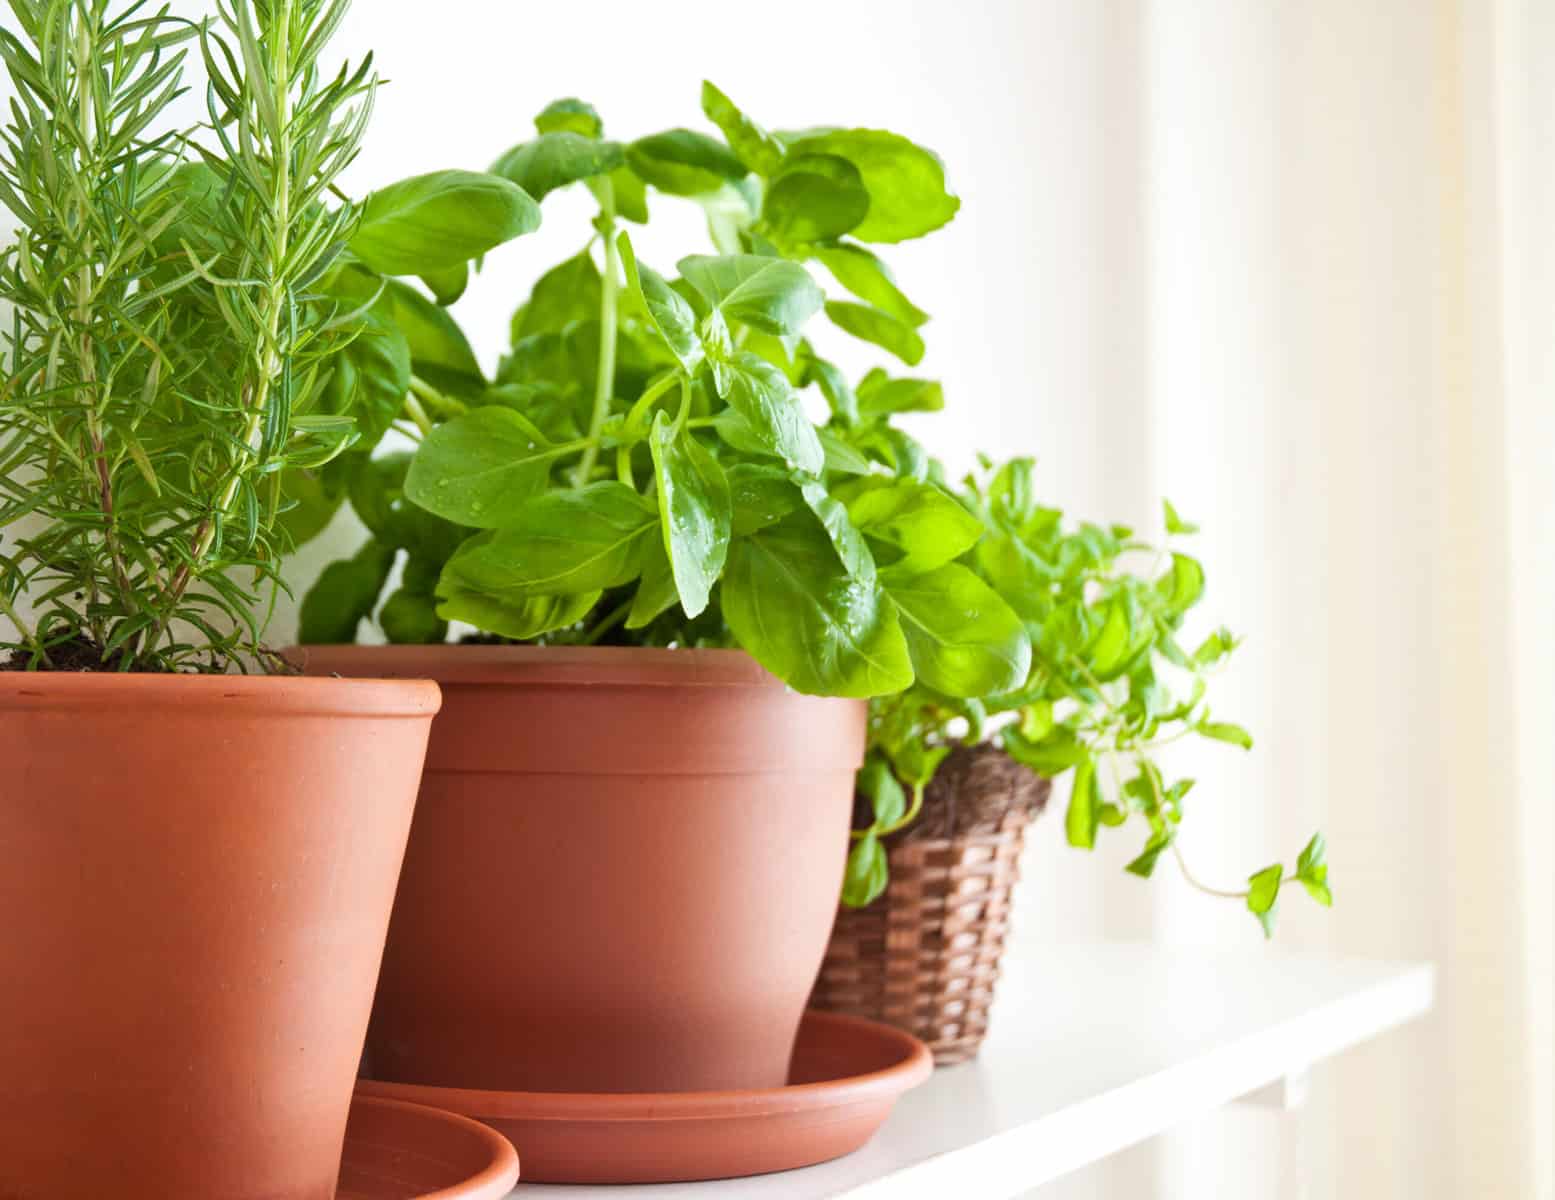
439	351
816	197
555	159
878	328
684	162
761	394
557	543
344	594
926	525
906	183
433	222
566	293
964	640
752	144
769	294
868	278
695	511
480	469
793	606
670	313
519	618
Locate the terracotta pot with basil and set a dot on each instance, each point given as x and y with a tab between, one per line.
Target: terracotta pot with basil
198	849
633	829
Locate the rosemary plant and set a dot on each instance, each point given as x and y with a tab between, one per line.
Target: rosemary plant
164	350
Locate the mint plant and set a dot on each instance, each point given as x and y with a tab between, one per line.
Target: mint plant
1109	688
175	351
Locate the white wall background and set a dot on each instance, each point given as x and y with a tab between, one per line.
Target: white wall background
1289	264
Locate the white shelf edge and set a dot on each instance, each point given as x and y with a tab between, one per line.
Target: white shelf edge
1019	1159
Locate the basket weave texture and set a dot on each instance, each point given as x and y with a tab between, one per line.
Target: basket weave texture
925	956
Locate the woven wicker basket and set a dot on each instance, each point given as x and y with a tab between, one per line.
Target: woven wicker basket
925	956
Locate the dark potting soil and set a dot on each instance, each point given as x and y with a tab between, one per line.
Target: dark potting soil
970	793
83	655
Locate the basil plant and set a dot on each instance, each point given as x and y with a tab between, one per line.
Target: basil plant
642	468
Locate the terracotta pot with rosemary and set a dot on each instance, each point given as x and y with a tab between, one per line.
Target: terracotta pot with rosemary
200	848
950	786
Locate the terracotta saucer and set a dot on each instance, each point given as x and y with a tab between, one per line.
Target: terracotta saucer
400	1151
847	1073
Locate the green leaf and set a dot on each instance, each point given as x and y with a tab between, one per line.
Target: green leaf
567	293
656	589
1084	813
1215	647
1174	523
1036	720
695	511
867	872
1144	865
313	496
752	145
554	160
1263	896
761	394
1312	871
760	495
1224	731
815	198
672	317
631	195
963	639
845	537
558	543
1108	649
841	457
923	523
345	593
438	348
879	785
906	183
520	618
879	395
570	116
792	605
769	294
878	328
684	162
1049	756
480	469
868	278
410	619
448	284
1183	584
370	375
378	496
433	222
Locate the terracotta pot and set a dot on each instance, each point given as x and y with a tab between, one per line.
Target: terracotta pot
622	872
195	875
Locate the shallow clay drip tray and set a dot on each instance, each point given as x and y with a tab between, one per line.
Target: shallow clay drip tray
847	1073
400	1151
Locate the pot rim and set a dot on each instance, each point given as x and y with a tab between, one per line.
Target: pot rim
912	1067
248	695
630	666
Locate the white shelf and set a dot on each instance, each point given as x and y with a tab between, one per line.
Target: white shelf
1093	1048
